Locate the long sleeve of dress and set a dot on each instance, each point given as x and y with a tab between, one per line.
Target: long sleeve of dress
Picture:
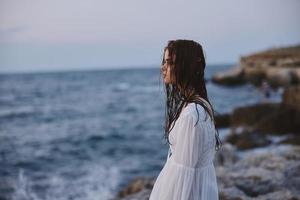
189	173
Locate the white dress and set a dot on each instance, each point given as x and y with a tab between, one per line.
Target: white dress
189	172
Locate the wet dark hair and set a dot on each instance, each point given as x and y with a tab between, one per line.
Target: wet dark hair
188	83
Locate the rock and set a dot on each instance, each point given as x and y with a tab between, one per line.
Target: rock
293	139
277	77
291	97
255	181
141	195
226	156
293	172
295	76
223	120
262	175
278	66
279	195
233	76
248	140
232	193
273	118
249	123
137	187
254	75
264	118
279	122
250	115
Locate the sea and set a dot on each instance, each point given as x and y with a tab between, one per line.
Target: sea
83	135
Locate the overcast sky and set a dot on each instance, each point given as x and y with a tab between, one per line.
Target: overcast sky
40	35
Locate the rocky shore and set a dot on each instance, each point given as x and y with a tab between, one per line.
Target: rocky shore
260	157
274	175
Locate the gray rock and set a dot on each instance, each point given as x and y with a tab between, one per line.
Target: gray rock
274	175
232	193
226	156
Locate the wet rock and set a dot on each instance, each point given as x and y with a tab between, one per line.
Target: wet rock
139	188
248	140
266	118
269	118
223	120
234	76
250	115
232	193
141	195
291	97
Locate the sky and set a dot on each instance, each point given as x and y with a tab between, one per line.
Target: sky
55	35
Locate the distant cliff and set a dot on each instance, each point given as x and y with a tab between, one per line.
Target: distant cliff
277	66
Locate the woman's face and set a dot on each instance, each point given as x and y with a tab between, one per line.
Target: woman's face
168	64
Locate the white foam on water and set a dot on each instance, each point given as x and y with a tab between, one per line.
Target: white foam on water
98	182
23	188
123	86
24	110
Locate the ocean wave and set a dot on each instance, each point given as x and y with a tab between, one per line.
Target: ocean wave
17	113
97	182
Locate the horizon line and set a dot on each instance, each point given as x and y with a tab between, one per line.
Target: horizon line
91	68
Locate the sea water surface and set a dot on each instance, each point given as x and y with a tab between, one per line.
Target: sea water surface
84	134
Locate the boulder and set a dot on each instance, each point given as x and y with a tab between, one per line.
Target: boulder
247	140
250	115
222	120
234	76
291	97
139	188
272	118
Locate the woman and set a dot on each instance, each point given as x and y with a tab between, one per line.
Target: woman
188	173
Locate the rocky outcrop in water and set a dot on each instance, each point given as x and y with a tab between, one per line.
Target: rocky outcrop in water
261	120
278	66
278	118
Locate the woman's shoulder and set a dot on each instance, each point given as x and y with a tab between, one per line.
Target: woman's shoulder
193	110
